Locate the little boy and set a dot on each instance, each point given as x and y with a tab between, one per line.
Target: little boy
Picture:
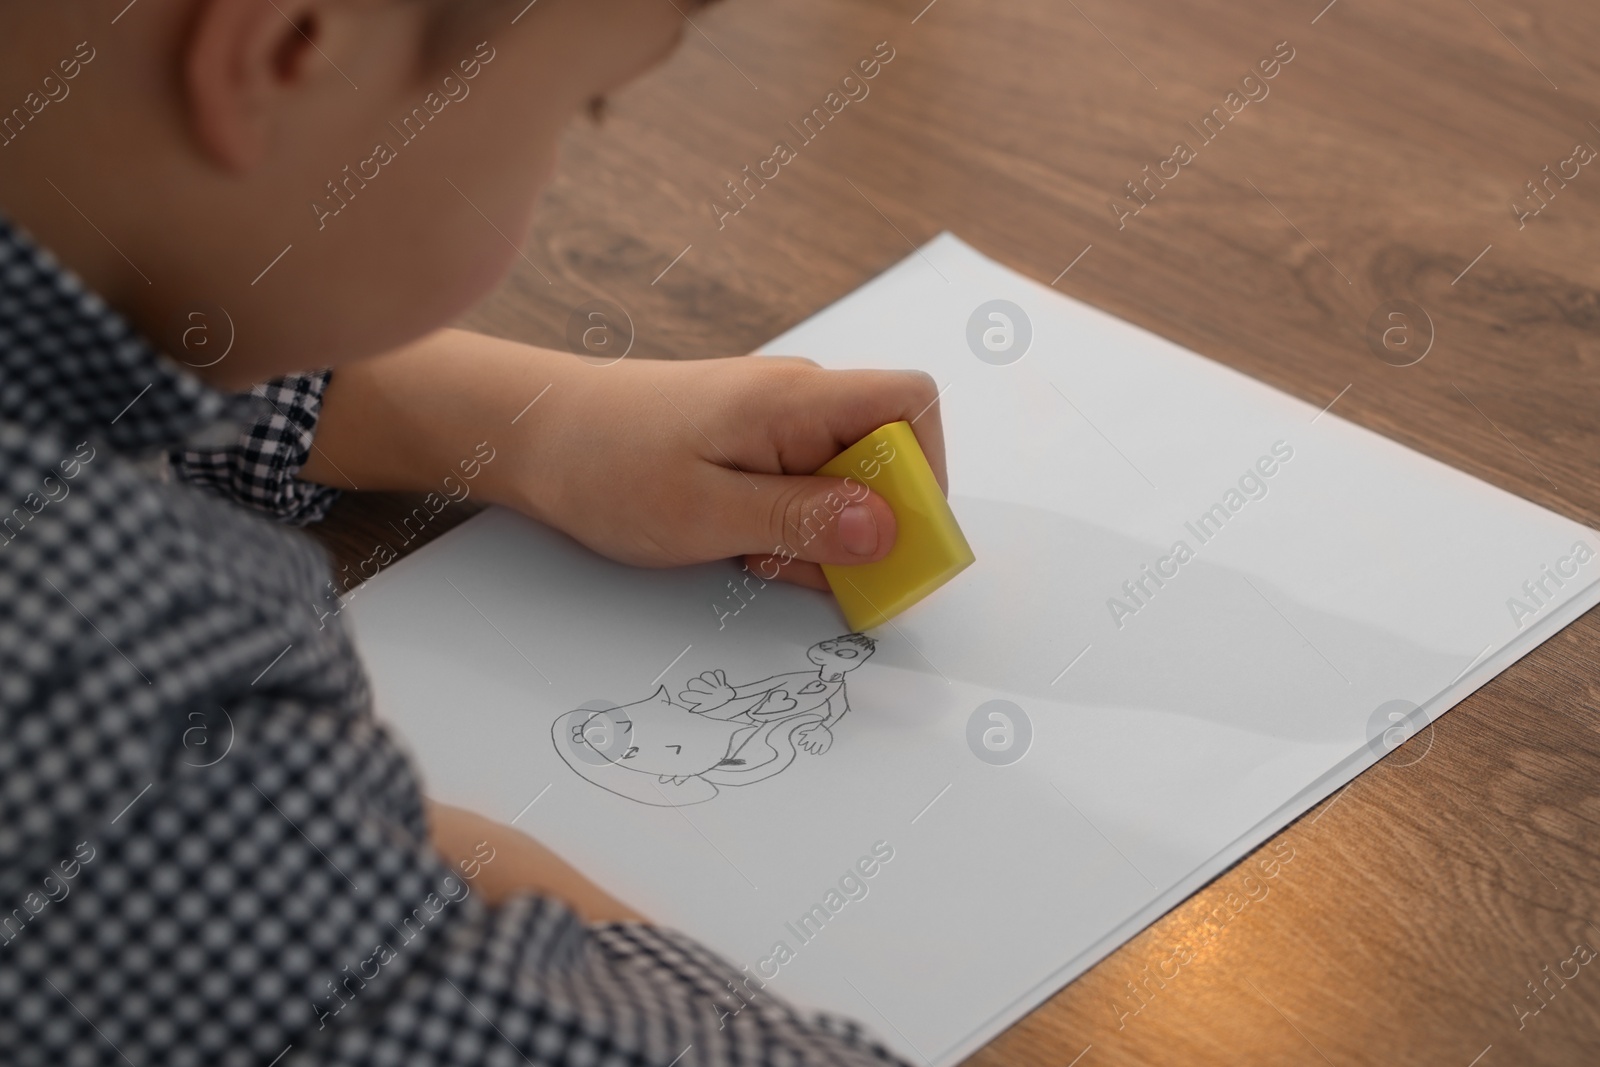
211	851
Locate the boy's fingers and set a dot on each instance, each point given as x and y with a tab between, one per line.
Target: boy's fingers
844	406
865	400
816	520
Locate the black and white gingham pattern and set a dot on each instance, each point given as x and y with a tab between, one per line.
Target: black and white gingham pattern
203	829
259	467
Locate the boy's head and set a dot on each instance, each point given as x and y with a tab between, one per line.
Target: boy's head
389	151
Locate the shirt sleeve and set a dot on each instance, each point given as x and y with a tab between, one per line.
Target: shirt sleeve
529	982
259	468
277	900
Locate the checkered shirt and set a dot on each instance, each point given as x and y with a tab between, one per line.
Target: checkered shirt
258	466
211	852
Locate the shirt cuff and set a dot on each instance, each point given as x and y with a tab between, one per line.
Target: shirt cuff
259	468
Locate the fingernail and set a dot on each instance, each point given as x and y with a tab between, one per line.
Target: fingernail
858	530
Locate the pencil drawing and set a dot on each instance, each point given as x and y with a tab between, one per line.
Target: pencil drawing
673	753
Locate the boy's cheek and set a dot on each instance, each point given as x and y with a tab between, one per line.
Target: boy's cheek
432	258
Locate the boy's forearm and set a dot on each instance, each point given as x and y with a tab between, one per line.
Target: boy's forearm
518	865
426	417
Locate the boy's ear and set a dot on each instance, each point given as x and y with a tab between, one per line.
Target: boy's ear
239	58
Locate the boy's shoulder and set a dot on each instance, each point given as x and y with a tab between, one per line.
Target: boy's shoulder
116	584
103	565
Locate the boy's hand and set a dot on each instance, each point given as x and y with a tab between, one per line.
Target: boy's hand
650	462
660	463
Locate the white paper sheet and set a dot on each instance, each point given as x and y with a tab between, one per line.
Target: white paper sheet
1263	672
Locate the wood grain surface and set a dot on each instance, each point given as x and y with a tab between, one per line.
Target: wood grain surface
1416	910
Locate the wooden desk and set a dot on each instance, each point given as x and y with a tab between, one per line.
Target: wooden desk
1421	900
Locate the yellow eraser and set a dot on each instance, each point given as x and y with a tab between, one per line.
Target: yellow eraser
929	548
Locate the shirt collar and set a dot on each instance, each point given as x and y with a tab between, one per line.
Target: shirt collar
69	363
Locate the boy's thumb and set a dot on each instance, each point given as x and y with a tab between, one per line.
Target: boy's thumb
820	520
